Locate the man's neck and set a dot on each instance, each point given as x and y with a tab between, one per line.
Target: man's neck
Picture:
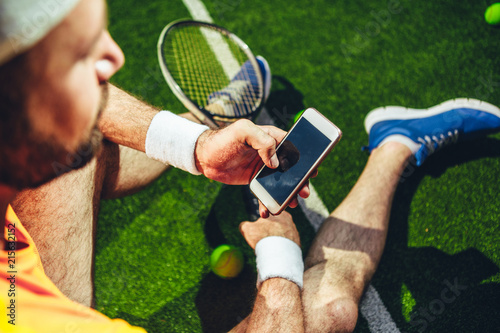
7	194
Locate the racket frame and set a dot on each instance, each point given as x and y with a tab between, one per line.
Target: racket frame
200	112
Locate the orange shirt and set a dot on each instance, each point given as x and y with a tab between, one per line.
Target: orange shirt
32	302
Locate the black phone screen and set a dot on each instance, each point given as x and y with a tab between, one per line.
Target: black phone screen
301	149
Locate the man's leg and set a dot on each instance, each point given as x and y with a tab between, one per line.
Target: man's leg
349	244
347	249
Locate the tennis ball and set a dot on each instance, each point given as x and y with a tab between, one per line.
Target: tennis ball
226	261
492	14
297	116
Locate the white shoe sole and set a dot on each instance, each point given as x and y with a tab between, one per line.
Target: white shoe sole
400	113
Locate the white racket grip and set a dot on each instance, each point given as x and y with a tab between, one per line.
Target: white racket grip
279	257
171	139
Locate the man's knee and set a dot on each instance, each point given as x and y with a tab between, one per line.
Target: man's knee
344	314
340	315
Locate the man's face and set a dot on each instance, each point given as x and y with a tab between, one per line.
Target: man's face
66	93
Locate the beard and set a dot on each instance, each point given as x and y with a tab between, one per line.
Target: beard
29	160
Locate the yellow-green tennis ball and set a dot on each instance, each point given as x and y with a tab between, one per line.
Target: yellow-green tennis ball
297	116
492	14
226	261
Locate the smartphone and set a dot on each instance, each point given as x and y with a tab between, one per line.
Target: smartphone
302	150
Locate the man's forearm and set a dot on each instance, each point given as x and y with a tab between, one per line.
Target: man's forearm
126	119
278	308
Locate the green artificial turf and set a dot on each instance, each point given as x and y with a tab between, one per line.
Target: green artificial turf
344	58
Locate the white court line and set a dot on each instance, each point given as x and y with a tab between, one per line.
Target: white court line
314	208
372	308
376	314
198	10
217	44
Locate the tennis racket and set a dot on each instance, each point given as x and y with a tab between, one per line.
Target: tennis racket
211	71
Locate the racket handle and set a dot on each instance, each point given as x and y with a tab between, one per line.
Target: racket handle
203	118
207	121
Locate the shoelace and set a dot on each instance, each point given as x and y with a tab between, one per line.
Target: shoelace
435	143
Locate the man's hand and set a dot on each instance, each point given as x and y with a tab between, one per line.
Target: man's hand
278	305
234	154
281	225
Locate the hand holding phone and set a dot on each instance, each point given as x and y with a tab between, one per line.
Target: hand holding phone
301	151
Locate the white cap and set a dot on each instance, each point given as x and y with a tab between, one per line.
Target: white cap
23	23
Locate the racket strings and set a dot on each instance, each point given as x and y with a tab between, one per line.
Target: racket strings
247	94
195	65
249	76
212	71
193	69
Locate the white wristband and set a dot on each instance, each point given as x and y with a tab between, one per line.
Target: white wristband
172	139
279	257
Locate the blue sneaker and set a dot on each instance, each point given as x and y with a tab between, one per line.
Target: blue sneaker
425	131
266	75
265	71
244	83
